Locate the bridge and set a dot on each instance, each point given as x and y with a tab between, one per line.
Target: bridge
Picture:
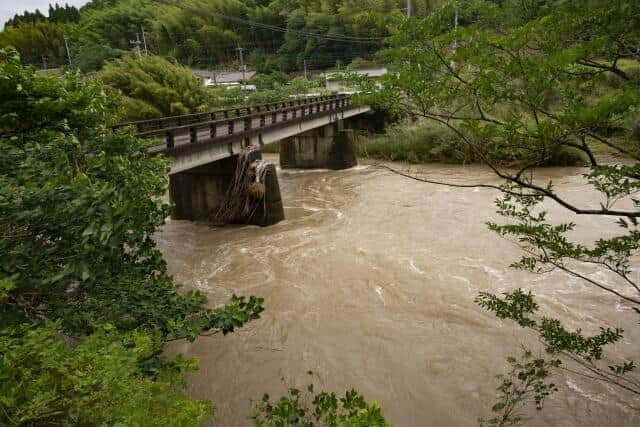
205	148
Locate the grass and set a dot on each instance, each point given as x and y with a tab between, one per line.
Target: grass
415	143
428	142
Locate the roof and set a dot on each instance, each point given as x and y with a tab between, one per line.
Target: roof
233	76
224	76
369	72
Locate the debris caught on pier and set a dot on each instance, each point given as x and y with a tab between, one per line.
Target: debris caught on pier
246	191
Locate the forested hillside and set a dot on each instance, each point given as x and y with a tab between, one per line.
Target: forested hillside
274	34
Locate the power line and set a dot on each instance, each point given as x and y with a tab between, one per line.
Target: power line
330	37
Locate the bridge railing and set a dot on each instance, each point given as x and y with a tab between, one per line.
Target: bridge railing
241	122
226	113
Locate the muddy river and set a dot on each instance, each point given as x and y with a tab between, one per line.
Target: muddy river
369	283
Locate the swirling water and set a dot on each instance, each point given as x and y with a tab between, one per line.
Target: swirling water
369	283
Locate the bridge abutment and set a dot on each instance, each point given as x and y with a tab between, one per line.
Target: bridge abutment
329	146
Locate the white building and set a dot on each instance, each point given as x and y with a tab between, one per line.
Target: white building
229	79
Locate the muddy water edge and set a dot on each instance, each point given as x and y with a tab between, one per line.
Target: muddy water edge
369	283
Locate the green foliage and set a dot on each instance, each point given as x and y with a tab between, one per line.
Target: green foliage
325	409
45	381
527	379
199	32
155	87
93	57
427	142
417	143
86	302
269	81
522	308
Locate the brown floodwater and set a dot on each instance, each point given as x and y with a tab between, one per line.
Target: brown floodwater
369	283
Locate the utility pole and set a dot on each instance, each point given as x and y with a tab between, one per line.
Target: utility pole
305	70
137	44
66	46
144	40
242	67
408	8
455	27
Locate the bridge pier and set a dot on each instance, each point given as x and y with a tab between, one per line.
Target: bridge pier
329	146
200	192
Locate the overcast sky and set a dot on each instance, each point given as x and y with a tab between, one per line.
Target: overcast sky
8	8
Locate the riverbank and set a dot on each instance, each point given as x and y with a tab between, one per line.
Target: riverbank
430	142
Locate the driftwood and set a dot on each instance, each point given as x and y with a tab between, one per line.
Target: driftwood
246	191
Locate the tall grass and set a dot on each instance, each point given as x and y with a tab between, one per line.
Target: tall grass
428	142
420	143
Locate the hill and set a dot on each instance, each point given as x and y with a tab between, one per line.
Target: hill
271	34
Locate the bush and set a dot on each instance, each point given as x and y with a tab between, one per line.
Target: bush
98	382
308	408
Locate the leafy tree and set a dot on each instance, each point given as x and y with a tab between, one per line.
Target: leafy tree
38	41
86	302
325	409
93	57
526	78
159	87
26	18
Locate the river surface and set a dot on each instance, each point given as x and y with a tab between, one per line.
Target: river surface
369	283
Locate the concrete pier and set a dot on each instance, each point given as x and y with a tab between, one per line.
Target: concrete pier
329	146
197	194
199	191
270	211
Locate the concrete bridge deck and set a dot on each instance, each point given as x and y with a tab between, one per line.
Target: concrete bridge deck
198	139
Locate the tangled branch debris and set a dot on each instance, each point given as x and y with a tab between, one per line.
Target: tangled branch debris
246	191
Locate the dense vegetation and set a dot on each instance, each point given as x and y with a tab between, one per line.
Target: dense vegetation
152	86
207	33
86	303
428	142
529	77
56	14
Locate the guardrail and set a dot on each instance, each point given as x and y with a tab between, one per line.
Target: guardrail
224	113
180	131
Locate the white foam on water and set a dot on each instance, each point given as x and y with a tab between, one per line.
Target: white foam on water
414	268
311	208
379	292
594	398
492	271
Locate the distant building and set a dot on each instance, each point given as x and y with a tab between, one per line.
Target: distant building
334	80
225	78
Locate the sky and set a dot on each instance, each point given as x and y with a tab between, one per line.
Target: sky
8	8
